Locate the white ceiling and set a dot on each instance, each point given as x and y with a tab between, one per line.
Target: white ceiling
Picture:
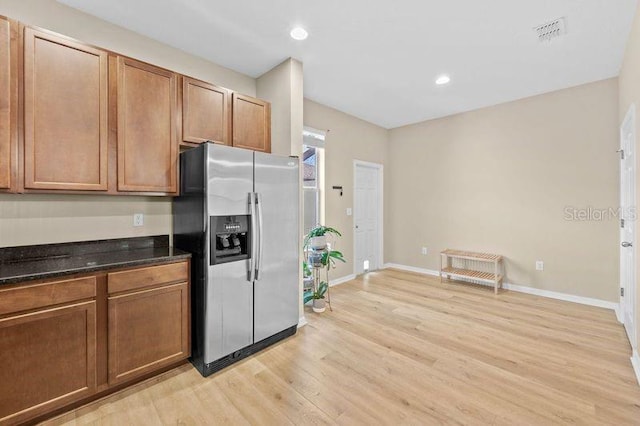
378	59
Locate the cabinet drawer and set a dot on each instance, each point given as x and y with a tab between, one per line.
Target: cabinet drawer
35	296
146	277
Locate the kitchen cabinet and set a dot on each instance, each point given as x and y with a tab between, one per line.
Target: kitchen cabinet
8	104
147	145
251	123
206	112
72	339
65	114
76	118
47	347
148	320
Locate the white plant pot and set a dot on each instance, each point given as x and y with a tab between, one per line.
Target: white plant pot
318	243
319	306
315	258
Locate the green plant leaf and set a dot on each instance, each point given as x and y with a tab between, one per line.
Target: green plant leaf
306	269
308	296
322	289
335	254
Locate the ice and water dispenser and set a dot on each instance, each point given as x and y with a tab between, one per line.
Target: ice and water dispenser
230	238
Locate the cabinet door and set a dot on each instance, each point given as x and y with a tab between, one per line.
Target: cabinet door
147	139
147	330
205	112
48	359
251	123
8	103
65	107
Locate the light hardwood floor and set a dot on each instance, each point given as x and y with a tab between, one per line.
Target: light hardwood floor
401	348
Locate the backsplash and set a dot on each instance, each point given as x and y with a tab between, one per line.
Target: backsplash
28	219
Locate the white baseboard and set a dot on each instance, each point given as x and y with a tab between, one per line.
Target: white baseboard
563	296
619	313
411	269
342	280
302	321
522	289
635	362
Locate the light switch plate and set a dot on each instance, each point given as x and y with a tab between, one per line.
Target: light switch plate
349	211
138	219
539	265
424	250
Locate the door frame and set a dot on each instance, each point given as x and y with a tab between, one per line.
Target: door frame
629	120
380	169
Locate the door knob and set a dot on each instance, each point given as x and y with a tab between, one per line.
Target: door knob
356	226
626	244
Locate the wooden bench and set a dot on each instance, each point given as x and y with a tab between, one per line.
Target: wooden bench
472	266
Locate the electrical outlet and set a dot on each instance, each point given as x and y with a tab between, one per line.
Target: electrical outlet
424	250
138	219
539	265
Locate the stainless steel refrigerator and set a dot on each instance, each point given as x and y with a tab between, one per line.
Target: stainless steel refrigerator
238	214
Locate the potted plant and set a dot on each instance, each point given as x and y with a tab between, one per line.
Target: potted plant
317	238
319	256
317	296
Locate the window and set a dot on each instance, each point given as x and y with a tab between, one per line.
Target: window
310	165
313	176
310	185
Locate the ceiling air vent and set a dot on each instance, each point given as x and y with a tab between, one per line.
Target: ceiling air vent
551	30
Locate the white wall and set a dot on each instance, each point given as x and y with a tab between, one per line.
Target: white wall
348	139
499	179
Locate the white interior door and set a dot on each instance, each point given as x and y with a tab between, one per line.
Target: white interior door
628	224
367	217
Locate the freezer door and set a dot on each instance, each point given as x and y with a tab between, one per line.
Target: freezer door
229	316
276	294
229	180
229	294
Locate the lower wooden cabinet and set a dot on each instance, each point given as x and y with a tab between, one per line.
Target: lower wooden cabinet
70	340
147	330
48	358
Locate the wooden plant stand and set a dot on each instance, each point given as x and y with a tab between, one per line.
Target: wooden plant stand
472	266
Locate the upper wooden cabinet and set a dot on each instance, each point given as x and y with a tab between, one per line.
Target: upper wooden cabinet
206	112
147	137
78	118
251	123
65	114
8	103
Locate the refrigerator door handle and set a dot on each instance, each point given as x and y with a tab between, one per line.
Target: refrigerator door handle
260	242
251	273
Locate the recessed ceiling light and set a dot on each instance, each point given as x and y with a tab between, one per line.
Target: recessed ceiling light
443	79
299	33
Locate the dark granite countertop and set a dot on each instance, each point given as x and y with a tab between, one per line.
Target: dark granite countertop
26	263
